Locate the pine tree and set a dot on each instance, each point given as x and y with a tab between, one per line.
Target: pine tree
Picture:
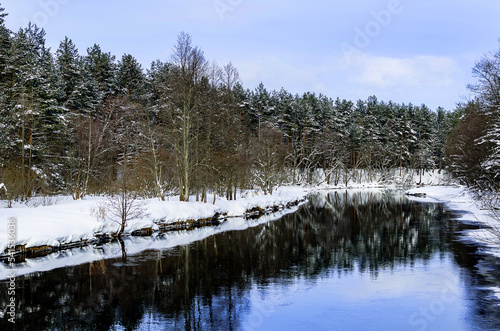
261	108
34	117
424	120
5	141
69	67
440	130
4	46
102	68
2	16
130	78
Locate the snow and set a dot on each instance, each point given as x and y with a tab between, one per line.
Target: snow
449	194
133	245
171	211
70	221
394	178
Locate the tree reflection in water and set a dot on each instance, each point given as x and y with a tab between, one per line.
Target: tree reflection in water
205	285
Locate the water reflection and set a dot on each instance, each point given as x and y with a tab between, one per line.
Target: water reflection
224	282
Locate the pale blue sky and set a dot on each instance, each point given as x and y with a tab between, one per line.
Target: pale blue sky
418	51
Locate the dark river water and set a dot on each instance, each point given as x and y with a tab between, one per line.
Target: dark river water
345	260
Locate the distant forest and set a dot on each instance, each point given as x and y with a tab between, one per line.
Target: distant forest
92	124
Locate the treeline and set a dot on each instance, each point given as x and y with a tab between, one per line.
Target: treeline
93	124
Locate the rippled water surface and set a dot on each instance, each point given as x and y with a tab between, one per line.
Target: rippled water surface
346	260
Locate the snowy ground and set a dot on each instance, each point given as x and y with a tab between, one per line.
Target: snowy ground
68	221
133	245
386	179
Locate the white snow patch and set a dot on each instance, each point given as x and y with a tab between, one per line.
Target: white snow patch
133	245
71	221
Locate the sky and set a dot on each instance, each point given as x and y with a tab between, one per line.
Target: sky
418	51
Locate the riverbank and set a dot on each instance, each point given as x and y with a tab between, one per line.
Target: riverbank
45	225
60	231
460	200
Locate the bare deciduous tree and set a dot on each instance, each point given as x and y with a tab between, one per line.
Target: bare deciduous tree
124	206
189	67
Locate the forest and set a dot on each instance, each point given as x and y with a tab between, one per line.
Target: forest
95	124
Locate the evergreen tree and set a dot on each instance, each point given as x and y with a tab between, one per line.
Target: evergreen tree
102	68
440	130
4	46
261	108
130	78
2	15
35	121
69	66
5	141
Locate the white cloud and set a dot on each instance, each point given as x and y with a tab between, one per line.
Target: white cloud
387	72
433	80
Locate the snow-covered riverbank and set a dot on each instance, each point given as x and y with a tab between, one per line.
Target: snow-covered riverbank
59	224
458	198
133	245
47	224
66	222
